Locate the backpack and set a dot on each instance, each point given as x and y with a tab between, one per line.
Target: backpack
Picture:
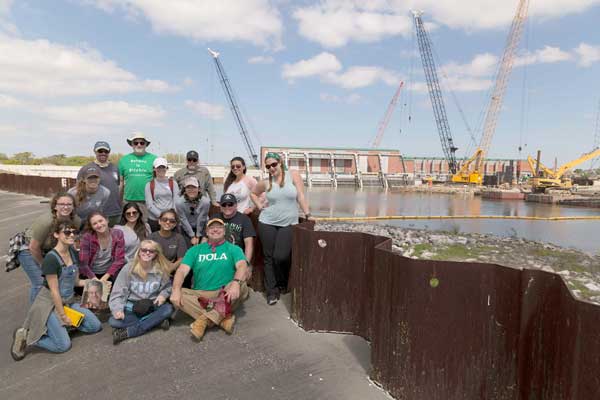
153	185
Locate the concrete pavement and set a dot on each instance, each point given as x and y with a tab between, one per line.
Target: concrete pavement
267	357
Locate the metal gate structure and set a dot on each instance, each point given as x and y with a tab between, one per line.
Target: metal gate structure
447	330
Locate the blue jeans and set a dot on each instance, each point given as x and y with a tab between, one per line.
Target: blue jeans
138	326
56	339
33	271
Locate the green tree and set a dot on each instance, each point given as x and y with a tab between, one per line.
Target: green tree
22	158
3	157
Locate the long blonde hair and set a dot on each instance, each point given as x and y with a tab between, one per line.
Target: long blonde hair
160	262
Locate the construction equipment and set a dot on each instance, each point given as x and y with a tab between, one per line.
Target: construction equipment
435	93
472	170
237	115
386	118
545	177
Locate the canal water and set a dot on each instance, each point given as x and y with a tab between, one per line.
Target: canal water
348	202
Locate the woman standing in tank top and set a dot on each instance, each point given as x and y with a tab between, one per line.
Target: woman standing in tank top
285	192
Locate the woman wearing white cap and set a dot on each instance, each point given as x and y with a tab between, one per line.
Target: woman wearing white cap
160	192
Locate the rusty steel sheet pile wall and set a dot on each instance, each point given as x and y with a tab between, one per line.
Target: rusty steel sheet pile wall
447	330
36	185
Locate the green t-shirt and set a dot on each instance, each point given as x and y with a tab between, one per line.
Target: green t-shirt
136	172
213	270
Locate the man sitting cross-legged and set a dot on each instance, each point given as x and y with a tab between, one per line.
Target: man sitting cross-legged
219	288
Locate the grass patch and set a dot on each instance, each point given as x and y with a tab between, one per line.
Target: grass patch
420	248
561	259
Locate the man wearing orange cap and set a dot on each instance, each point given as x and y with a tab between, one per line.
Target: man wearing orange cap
219	285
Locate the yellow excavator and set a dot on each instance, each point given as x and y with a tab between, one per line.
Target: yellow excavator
545	177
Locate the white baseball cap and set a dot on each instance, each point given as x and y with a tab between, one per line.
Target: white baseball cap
160	162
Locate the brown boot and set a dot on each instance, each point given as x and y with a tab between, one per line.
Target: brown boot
198	327
227	324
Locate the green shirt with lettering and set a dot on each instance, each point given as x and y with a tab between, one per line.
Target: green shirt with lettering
211	270
136	171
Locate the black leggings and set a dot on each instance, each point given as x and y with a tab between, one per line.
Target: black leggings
277	249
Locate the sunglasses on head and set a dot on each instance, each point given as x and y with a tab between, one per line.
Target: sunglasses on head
147	251
227	204
169	220
192	159
102	151
131	213
272	165
139	142
237	166
69	232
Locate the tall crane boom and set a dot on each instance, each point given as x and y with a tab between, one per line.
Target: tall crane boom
237	115
475	174
435	93
386	118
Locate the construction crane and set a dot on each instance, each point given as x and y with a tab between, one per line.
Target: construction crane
386	118
435	93
545	177
237	115
472	170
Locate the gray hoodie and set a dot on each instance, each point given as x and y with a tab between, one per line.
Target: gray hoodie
130	287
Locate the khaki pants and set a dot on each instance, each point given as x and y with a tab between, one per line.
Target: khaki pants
191	306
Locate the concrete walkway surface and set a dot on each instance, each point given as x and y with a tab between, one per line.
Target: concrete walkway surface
267	357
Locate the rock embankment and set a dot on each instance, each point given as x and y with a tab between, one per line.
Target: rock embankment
581	271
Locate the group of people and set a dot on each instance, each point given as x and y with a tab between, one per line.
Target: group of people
149	236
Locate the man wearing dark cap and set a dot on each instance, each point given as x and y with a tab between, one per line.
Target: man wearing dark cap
109	178
238	227
219	285
201	173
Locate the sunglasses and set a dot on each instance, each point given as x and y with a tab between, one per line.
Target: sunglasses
147	251
139	142
192	159
131	213
227	204
169	220
69	232
102	151
237	166
272	165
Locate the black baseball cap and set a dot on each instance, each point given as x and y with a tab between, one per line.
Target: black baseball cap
228	198
192	154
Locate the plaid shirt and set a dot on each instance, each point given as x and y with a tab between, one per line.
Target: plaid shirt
89	246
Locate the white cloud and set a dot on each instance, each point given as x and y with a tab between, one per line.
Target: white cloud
588	54
207	110
322	64
105	113
362	76
6	26
547	55
335	23
255	21
481	65
43	68
353	98
9	101
328	68
261	60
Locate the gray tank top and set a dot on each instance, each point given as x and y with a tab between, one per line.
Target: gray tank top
283	208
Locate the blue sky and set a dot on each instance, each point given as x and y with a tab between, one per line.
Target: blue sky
307	73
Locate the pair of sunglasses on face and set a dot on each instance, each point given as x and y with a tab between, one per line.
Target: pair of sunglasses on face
272	165
169	220
139	142
147	251
69	232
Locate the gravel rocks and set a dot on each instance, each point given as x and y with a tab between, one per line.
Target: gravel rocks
581	271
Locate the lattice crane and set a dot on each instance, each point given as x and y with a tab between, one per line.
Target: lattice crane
435	93
472	171
237	115
386	118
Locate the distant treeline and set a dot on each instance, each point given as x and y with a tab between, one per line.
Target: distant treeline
28	158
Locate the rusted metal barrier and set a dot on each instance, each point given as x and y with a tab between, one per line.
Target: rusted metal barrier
35	185
447	330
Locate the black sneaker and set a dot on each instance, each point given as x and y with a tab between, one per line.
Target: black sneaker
119	334
272	299
165	325
17	350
